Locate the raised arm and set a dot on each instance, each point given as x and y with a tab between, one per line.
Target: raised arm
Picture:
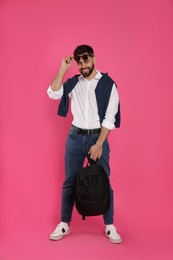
65	65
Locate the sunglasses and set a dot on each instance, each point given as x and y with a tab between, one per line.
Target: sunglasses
84	57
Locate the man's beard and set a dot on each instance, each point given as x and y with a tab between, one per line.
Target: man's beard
86	73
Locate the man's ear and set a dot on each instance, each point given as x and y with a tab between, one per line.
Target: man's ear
94	60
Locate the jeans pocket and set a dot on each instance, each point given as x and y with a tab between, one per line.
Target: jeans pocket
72	133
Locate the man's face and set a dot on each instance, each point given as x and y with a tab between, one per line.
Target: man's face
85	64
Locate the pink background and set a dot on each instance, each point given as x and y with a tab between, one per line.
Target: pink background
133	41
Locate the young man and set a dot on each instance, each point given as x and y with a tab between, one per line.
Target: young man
95	109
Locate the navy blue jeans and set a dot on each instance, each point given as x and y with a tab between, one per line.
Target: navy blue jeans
77	147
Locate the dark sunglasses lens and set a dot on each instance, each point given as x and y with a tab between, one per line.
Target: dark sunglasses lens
77	58
84	57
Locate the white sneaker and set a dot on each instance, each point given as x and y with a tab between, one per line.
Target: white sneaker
61	230
112	234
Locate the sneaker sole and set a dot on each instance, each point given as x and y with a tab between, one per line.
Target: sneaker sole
118	241
60	237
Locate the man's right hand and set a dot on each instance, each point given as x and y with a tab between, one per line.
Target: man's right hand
67	62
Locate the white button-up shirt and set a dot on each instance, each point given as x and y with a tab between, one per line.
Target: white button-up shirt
84	105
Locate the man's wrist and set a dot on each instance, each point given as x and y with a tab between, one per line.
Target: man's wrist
63	68
99	143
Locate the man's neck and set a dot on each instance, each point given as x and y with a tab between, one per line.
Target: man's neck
92	75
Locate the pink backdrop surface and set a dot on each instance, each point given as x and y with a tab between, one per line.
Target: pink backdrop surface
133	42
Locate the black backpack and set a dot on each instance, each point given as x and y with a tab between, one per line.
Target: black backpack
92	194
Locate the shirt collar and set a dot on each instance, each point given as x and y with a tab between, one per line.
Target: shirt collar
98	75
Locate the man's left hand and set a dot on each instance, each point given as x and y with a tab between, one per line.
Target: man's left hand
95	151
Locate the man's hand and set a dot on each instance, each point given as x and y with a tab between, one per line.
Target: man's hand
67	62
95	151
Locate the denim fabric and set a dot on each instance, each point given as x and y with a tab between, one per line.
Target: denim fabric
77	147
